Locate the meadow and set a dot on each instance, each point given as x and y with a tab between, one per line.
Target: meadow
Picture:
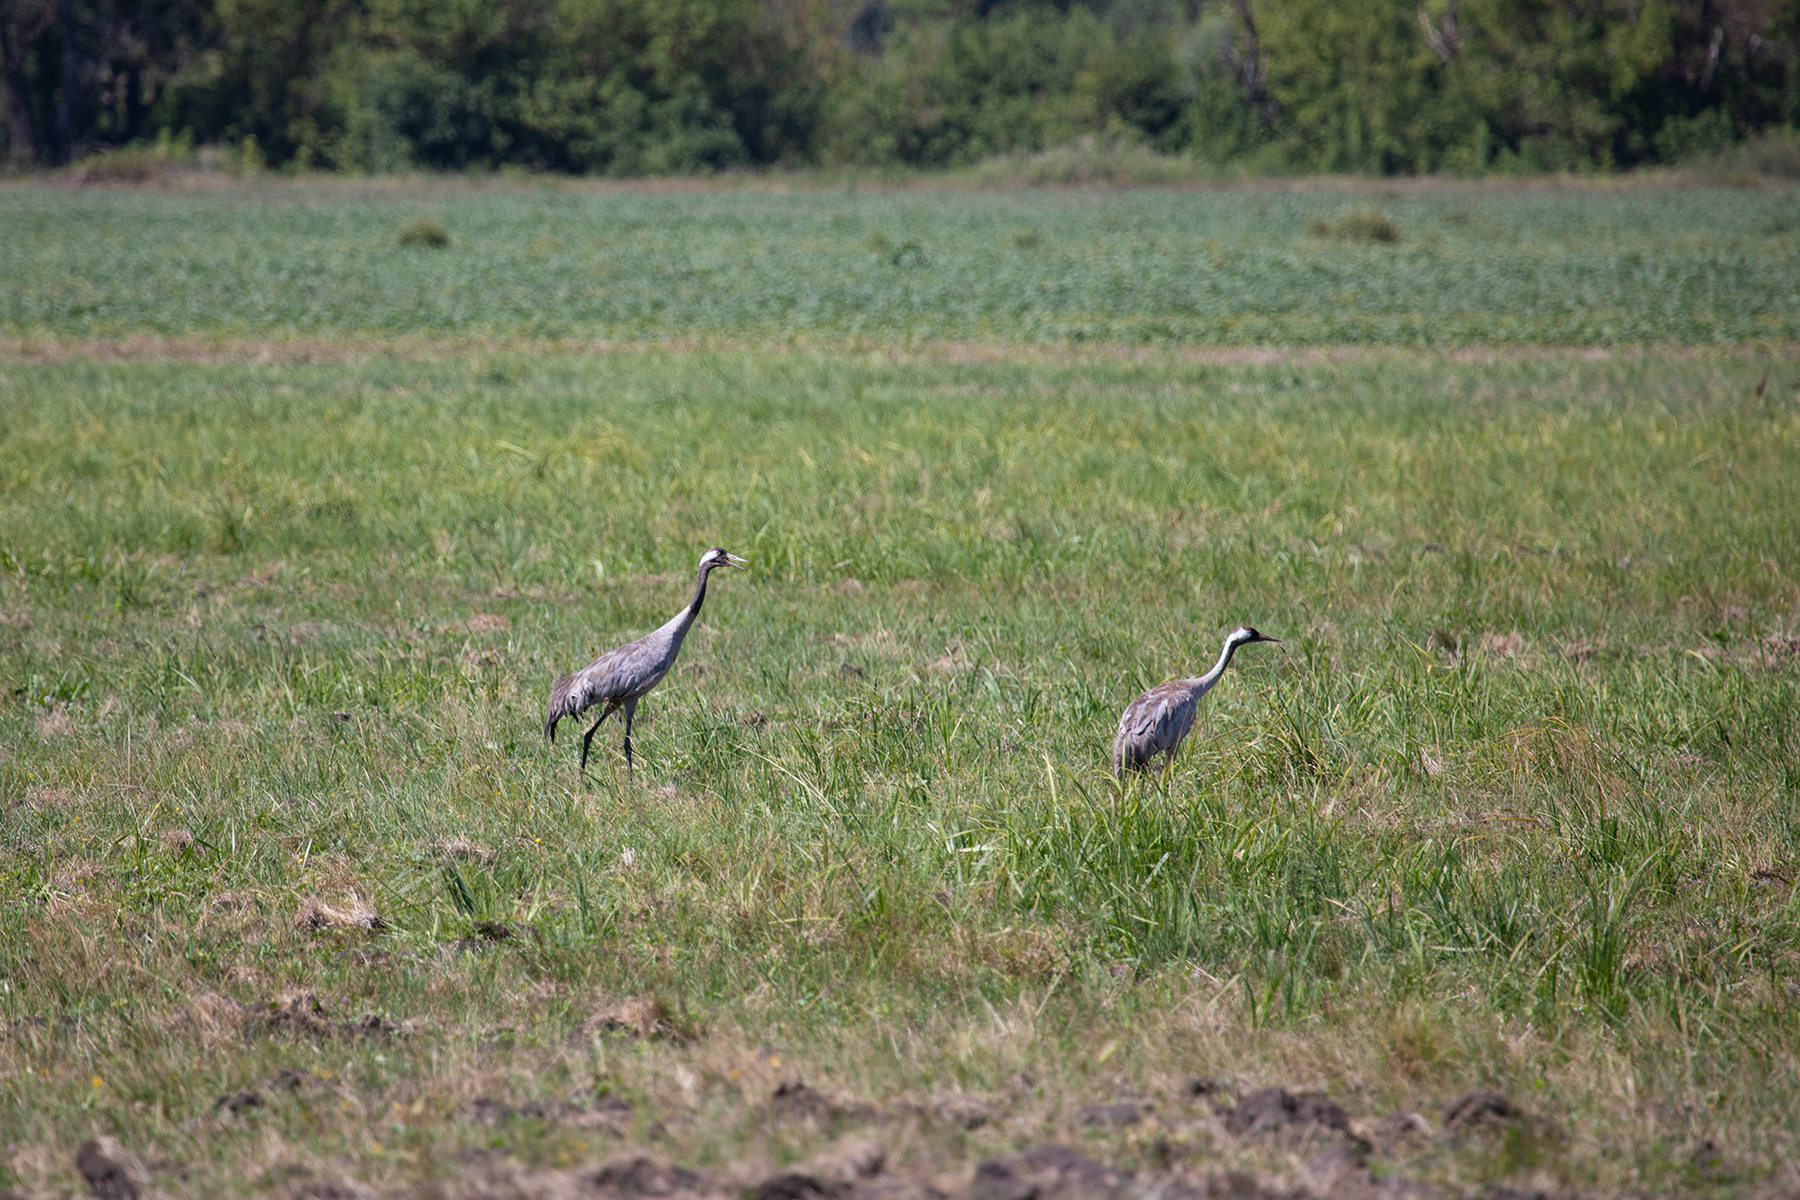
295	900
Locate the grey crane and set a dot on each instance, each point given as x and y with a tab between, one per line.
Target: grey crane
620	678
1157	721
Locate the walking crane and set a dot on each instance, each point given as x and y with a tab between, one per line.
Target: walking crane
1157	721
618	679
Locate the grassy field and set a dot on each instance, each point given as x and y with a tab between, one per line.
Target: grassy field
1556	264
295	900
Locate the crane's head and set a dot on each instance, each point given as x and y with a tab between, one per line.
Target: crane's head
719	557
1243	635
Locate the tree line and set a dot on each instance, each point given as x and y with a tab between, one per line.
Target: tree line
635	87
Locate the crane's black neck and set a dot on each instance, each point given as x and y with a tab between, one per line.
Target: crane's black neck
693	608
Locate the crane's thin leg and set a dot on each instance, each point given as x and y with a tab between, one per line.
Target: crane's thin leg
587	739
630	712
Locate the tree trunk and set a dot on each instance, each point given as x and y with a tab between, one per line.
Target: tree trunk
18	103
134	104
65	104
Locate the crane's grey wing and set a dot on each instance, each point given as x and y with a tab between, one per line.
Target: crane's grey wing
1153	724
615	676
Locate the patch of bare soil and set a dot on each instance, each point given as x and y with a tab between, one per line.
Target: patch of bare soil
294	1015
640	1016
1273	1112
353	913
797	1099
111	1171
602	1109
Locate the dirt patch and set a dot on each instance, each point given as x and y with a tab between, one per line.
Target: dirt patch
487	623
645	1175
57	722
640	1016
464	849
1782	645
1287	1117
606	1109
111	1171
239	1102
49	797
484	935
1580	651
1048	1172
353	913
1503	645
798	1186
1479	1110
1110	1116
797	1099
964	1112
953	661
1399	1130
298	1015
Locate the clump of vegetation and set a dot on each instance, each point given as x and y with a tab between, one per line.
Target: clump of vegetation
1025	237
1357	225
1774	154
138	163
1089	161
424	231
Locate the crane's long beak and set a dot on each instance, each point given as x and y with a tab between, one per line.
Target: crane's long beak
741	564
1266	638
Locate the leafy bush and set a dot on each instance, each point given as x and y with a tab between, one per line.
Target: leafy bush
424	231
1774	154
1357	225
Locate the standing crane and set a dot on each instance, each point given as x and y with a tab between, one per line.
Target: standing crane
1157	721
620	678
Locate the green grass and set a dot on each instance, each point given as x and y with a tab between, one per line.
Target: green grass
1452	265
307	616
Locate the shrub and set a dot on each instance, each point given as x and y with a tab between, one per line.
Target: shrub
1357	225
424	232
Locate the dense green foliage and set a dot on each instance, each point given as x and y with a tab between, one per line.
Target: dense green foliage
631	87
1469	265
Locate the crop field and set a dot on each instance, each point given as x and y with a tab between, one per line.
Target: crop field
1492	866
1428	266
